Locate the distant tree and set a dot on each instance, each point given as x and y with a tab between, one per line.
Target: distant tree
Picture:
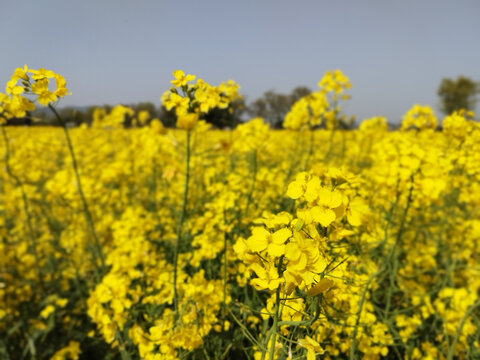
457	94
299	92
228	117
273	106
148	106
42	116
89	114
26	120
72	115
219	118
167	117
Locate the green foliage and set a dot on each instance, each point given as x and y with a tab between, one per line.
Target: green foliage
228	117
457	94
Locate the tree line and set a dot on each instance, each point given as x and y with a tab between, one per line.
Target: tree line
454	94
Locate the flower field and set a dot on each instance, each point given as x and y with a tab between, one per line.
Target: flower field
249	243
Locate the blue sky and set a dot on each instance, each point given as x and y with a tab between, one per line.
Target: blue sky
119	51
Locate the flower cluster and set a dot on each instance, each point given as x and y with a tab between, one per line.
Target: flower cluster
27	85
321	106
250	243
192	101
420	118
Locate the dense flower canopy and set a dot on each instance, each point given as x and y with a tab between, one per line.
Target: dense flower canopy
249	243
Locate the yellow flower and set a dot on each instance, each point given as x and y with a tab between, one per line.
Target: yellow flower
45	96
142	117
15	105
61	90
297	188
47	311
356	210
323	285
157	127
13	88
262	239
259	239
173	100
20	73
278	239
187	121
327	201
267	278
61	302
41	74
181	79
312	347
420	118
374	124
71	351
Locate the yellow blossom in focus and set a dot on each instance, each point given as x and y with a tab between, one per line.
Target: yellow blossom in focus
41	74
45	96
61	89
13	89
21	73
181	79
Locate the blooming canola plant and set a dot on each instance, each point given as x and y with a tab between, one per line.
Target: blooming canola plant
254	243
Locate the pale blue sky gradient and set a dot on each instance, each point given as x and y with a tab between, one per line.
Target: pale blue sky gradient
119	51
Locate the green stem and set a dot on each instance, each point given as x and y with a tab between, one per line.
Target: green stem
273	331
247	333
225	263
123	352
404	217
451	350
271	354
392	258
359	313
96	248
181	219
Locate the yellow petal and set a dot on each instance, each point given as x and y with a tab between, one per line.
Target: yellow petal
323	215
259	270
292	251
339	211
282	235
355	211
311	193
324	196
276	250
178	74
259	239
300	264
323	285
354	218
292	280
336	199
259	284
295	190
189	78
